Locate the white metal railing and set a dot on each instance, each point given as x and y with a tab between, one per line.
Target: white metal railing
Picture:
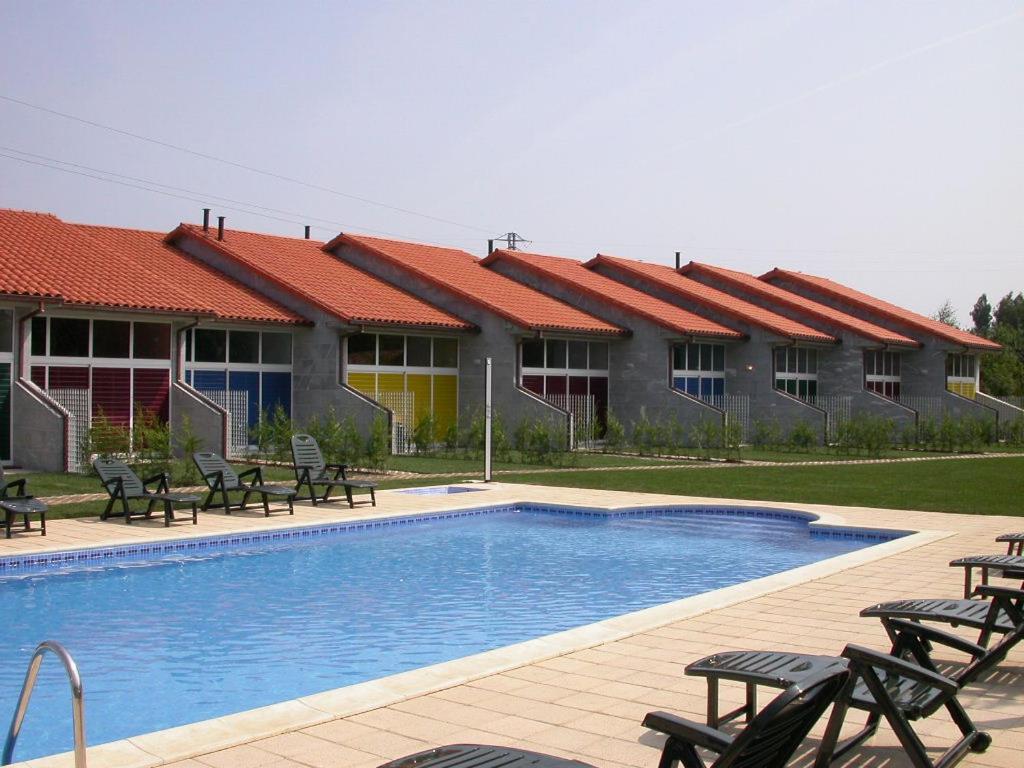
838	410
737	411
236	403
403	419
75	400
582	411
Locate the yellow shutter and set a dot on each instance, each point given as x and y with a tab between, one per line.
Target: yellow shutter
446	402
364	382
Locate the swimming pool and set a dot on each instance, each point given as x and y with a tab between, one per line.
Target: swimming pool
212	626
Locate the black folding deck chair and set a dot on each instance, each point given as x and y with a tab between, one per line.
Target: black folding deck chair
770	739
1006	566
1014	543
1000	610
885	685
221	478
20	504
124	485
312	472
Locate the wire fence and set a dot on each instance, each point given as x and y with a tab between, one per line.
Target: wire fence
236	403
582	410
403	419
737	411
77	403
838	410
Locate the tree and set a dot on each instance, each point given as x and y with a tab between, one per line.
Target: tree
1010	311
946	314
982	316
1002	372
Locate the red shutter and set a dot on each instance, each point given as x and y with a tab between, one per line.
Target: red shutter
152	387
111	394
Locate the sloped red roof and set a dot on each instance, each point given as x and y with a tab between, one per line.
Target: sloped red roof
302	268
224	297
43	257
882	308
461	273
781	296
712	298
574	274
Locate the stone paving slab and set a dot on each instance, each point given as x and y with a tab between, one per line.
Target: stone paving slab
587	702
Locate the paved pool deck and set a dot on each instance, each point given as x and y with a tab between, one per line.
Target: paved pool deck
583	693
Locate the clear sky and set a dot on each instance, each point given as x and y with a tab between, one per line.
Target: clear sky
877	143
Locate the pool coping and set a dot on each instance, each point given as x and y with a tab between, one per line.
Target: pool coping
181	742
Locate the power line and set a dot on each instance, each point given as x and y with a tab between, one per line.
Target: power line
242	166
91	173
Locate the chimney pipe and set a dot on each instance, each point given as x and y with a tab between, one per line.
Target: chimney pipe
307	231
220	227
677	259
206	219
490	247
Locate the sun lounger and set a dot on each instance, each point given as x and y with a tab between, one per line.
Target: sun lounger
124	485
1014	543
1000	611
20	504
770	739
312	472
1007	566
885	685
482	756
221	478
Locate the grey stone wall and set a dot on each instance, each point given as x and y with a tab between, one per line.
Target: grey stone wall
639	375
316	350
39	431
748	363
206	419
497	338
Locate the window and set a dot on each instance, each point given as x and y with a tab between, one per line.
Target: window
277	348
882	372
417	351
210	345
110	338
391	350
555	357
699	369
6	329
446	353
69	337
152	341
598	356
961	373
533	353
362	349
796	371
244	347
578	354
38	336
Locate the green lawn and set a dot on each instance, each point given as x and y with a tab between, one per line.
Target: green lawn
971	486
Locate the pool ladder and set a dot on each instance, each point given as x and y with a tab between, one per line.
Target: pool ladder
77	700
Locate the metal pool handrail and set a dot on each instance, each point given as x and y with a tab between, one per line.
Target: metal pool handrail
77	700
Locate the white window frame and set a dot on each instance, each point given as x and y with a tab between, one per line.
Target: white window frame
890	361
8	357
797	375
588	372
698	373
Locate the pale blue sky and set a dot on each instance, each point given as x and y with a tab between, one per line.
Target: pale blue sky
878	143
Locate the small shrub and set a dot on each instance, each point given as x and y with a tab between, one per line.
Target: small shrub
706	436
614	434
643	435
151	442
732	438
450	439
186	442
423	434
378	445
766	434
802	437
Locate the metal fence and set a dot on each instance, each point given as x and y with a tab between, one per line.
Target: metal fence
1014	400
77	403
582	411
837	408
926	407
236	403
737	411
403	419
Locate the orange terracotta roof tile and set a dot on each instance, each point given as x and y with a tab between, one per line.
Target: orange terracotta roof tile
882	308
574	274
460	273
207	287
44	257
751	284
717	300
303	268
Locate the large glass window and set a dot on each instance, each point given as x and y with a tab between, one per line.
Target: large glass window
446	353
210	345
533	353
882	372
110	338
244	347
567	373
796	371
277	348
362	349
39	328
417	351
391	350
961	374
6	329
699	369
152	341
555	356
69	337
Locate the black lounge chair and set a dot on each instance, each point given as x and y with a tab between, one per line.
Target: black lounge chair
1007	566
221	478
20	504
482	756
312	471
1001	613
1014	543
770	739
124	485
885	685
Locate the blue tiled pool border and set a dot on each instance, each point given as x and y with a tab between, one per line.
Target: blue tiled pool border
42	561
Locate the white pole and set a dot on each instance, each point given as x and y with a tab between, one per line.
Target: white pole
487	421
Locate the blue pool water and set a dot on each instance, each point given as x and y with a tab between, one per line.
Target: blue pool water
175	638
